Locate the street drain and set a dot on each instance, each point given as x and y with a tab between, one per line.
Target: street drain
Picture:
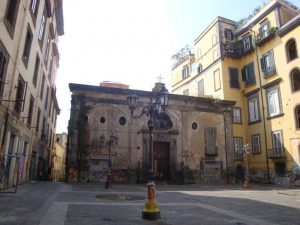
120	197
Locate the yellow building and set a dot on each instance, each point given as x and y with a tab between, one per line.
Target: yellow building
29	58
59	157
254	62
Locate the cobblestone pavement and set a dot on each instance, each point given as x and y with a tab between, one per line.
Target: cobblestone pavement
46	203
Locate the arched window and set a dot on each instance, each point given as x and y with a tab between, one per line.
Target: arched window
297	116
291	50
295	79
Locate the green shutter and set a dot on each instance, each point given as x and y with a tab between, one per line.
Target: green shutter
251	71
262	63
244	74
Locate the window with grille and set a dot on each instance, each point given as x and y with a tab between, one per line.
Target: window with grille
253	108
210	141
277	143
238	148
237	115
273	101
255	141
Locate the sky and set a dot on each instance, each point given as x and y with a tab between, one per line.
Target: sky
131	41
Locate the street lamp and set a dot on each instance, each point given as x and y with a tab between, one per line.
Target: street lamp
155	108
246	152
113	141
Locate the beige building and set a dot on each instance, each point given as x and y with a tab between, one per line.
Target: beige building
254	62
191	141
59	157
29	58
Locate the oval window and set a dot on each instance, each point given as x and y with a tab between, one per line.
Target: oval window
102	119
122	120
194	125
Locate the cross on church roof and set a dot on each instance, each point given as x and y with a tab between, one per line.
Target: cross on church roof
160	78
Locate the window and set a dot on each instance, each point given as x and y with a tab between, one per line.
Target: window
237	115
234	78
297	116
238	148
253	107
255	141
42	29
3	66
36	70
248	75
30	111
102	119
199	68
185	72
34	6
268	64
195	126
122	121
295	79
27	46
20	96
11	15
217	81
210	140
247	43
291	50
47	52
42	87
186	92
201	87
277	143
228	34
37	126
47	96
264	30
273	101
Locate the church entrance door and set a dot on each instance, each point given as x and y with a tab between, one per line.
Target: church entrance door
161	157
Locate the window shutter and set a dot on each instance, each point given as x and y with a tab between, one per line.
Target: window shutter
251	72
250	41
262	62
244	74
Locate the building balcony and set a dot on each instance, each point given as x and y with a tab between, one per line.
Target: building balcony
263	37
276	154
236	50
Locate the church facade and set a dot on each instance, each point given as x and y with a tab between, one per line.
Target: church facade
193	144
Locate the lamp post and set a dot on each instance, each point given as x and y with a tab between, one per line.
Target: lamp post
246	152
113	141
157	105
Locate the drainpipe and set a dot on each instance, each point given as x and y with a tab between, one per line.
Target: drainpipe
263	112
226	149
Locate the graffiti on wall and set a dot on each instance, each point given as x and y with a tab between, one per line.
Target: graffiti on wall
73	175
98	170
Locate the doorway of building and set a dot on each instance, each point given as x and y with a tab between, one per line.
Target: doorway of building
161	157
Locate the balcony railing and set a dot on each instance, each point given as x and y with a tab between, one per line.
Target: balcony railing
236	50
277	153
262	37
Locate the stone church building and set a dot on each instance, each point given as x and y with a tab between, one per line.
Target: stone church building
196	146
